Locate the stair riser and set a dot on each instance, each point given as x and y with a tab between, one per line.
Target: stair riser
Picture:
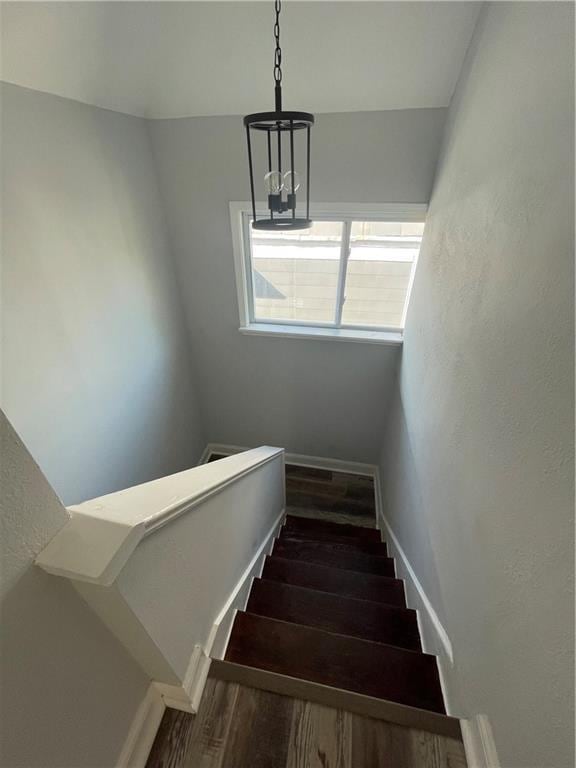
333	613
342	662
321	503
359	586
351	561
336	698
339	543
339	529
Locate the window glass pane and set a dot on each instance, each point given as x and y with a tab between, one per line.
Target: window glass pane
382	256
295	274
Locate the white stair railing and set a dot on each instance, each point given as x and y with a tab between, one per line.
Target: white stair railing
165	564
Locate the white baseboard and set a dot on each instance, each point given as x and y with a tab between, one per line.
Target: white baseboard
334	465
298	459
435	638
195	678
143	729
476	732
406	566
479	743
424	599
218	638
220	448
187	696
208	450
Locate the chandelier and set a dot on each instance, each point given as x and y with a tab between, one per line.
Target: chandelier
273	135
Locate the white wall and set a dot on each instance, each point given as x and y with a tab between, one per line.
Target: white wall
477	459
198	560
69	690
97	372
312	397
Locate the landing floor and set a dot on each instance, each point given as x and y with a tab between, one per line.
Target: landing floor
335	497
241	727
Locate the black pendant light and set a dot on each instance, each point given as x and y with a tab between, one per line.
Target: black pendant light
287	199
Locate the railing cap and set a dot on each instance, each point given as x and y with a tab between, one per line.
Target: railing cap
101	534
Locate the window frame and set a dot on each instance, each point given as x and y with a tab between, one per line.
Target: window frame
347	213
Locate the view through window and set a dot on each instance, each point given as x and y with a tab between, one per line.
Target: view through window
346	274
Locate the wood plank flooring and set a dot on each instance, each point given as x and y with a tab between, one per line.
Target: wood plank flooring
241	727
172	740
350	489
338	497
330	496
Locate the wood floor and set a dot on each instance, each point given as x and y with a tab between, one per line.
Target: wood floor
241	727
170	748
338	497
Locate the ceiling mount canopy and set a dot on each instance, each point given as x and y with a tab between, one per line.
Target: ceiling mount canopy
283	133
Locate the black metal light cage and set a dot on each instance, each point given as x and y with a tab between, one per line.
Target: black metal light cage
275	125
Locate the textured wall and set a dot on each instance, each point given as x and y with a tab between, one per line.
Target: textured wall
478	456
69	689
97	374
313	397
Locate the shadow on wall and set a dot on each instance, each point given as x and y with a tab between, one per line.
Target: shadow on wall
69	689
263	289
98	375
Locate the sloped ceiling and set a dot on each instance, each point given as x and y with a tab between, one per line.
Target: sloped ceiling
177	59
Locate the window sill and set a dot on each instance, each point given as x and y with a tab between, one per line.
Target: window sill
392	338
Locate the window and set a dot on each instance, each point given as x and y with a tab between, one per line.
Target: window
347	277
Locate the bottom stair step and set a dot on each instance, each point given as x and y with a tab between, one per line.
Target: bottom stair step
366	706
372	669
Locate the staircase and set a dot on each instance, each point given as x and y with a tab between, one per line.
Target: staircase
328	621
325	665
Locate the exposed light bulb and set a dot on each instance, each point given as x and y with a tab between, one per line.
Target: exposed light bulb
288	181
273	183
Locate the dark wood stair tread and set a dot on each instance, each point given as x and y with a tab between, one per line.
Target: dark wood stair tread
334	613
340	529
373	669
338	543
324	555
362	586
337	698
